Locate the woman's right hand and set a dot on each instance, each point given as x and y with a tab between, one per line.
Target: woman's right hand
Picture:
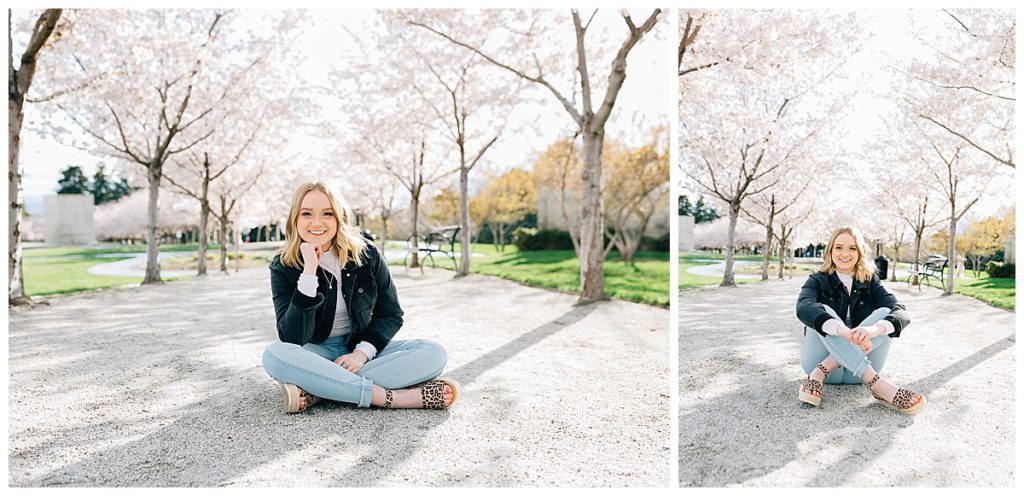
311	254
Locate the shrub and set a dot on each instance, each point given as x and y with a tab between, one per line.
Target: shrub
661	243
530	239
1001	270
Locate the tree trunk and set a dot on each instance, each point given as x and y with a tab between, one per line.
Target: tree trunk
152	241
238	248
223	243
15	116
730	245
464	219
918	234
414	206
18	84
204	214
783	251
950	286
592	220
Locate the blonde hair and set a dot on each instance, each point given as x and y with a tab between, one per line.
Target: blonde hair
348	244
863	269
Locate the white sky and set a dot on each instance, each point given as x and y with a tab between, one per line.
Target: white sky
43	158
892	40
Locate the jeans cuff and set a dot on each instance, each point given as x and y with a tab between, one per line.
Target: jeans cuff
365	393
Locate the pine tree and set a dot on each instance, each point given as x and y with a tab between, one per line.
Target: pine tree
73	181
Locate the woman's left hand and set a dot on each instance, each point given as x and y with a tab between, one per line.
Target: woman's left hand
353	361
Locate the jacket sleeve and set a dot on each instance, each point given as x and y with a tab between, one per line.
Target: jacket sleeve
898	315
808	309
295	312
387	313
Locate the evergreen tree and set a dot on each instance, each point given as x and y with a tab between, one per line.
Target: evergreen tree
685	208
73	181
102	187
702	213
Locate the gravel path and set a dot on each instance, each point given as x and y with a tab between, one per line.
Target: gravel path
163	386
741	423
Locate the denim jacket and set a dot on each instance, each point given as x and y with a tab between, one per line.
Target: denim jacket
369	293
864	298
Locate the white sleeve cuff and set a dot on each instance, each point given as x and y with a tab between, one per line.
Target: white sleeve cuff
308	284
830	327
884	328
367	348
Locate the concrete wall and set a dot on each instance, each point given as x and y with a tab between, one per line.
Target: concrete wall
69	219
685	233
1009	255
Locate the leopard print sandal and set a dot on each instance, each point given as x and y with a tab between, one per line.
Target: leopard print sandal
432	393
900	402
292	393
810	386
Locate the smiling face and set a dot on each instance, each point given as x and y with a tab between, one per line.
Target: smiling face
845	253
317	222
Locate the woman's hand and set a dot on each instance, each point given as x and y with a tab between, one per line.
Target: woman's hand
311	254
861	336
353	361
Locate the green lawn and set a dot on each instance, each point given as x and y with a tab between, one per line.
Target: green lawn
51	271
687	280
646	281
996	292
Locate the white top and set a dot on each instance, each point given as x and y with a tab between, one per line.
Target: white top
308	285
832	326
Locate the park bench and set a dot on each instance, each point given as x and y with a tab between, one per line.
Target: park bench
934	267
438	240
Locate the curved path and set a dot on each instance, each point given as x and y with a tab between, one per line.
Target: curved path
718	269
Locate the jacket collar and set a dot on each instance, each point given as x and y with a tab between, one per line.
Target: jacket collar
834	281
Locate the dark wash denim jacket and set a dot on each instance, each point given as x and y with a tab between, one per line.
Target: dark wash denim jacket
826	289
369	293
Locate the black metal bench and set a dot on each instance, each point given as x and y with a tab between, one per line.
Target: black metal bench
438	240
934	267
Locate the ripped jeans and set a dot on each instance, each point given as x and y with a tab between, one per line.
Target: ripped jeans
851	358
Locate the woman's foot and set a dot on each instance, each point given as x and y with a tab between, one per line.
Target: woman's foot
295	399
895	397
437	394
811	387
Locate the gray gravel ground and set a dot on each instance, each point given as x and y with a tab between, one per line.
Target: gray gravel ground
741	423
163	386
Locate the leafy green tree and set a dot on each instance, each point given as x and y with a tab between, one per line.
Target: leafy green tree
702	213
73	181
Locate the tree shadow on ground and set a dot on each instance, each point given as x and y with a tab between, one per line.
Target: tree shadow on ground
757	426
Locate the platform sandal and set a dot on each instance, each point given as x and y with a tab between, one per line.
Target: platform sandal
900	402
292	393
810	386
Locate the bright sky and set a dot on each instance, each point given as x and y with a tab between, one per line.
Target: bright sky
891	40
329	34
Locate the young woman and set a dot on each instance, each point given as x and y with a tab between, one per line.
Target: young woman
337	310
851	320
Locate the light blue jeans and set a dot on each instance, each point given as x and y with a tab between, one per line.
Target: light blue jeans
851	358
311	367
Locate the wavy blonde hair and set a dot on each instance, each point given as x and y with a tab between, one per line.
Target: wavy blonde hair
863	269
348	244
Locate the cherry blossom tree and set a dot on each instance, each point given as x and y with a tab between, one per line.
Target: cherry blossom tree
155	76
973	66
752	99
524	43
19	81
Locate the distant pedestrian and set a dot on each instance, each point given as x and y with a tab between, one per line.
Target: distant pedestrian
851	320
337	311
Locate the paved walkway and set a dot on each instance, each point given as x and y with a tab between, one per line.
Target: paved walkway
718	269
162	386
741	423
